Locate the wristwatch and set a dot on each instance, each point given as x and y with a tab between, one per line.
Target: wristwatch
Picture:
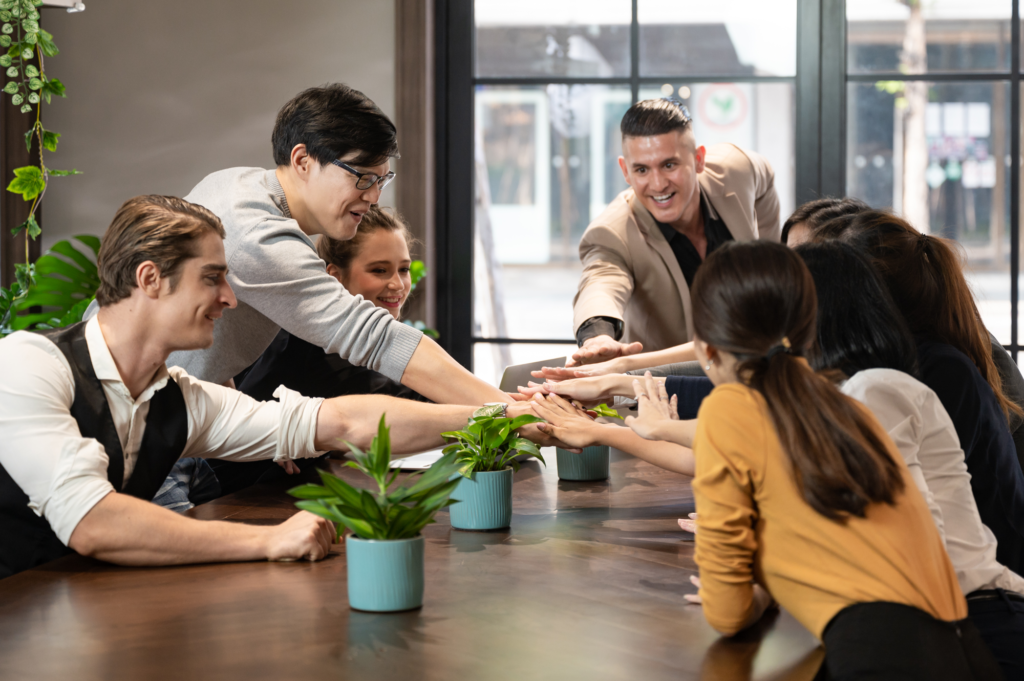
499	409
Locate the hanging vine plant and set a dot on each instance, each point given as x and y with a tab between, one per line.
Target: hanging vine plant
29	87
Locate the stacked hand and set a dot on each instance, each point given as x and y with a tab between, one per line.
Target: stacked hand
587	391
612	366
602	348
654	408
565	421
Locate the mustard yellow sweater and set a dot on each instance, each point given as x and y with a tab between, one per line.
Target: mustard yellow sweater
754	526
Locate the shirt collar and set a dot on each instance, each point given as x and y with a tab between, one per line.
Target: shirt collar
106	370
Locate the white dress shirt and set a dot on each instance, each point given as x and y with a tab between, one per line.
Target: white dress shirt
922	430
65	474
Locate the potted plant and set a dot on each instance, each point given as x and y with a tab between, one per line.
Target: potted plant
593	462
486	453
385	549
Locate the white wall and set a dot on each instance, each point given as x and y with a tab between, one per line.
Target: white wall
160	94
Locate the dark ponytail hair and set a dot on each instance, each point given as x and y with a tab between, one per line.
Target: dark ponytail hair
750	299
924	275
859	326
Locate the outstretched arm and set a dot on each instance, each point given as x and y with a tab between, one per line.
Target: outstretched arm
128	531
434	374
621	364
566	423
415	426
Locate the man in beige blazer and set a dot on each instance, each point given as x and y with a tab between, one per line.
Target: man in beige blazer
640	255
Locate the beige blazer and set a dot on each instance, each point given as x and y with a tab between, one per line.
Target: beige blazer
629	270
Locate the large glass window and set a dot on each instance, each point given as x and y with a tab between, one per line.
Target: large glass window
552	81
928	129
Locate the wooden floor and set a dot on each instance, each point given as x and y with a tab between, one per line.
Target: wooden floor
587	584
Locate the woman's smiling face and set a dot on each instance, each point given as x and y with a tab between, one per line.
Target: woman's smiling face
379	272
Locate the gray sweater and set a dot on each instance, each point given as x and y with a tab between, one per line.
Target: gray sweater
280	282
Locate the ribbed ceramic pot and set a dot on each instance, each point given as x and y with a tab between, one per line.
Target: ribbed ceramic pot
485	501
592	464
385	575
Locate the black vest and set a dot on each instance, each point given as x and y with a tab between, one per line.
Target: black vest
26	540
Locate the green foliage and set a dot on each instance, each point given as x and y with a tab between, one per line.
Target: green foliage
421	326
605	410
29	86
10	297
417	270
491	443
397	514
28	181
63	282
30	225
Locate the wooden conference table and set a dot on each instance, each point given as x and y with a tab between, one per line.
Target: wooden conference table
587	584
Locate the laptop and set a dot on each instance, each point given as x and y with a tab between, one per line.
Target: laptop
519	374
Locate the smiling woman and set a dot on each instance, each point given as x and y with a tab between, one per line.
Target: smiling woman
375	265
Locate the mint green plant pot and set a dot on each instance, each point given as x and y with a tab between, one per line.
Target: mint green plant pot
385	575
592	464
485	501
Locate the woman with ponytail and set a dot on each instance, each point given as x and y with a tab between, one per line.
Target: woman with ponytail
801	494
924	277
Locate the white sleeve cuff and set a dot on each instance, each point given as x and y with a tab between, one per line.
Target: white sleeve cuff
296	435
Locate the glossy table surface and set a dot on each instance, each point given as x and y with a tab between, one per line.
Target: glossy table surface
587	584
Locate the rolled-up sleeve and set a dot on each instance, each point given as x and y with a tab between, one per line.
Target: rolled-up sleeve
723	494
41	447
227	424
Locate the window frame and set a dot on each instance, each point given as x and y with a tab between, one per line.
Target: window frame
820	83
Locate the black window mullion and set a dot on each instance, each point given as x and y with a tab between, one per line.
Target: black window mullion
634	54
1014	174
455	186
808	100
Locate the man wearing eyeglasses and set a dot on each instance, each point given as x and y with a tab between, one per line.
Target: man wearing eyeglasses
641	254
332	149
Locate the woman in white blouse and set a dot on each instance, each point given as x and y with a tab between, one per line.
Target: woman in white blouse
861	334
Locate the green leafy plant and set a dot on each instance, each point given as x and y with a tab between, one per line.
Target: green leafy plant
605	410
491	443
397	514
417	270
28	86
65	282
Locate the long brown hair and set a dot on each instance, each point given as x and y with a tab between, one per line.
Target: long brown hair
748	298
341	253
926	280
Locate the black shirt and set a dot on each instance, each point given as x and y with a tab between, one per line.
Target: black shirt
996	477
689	260
686	253
307	369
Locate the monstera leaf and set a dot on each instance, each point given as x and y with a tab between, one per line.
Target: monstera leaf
66	279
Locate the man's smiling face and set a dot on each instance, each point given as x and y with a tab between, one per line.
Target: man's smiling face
662	170
333	200
199	297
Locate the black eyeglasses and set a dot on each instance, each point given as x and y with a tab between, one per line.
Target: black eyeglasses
366	180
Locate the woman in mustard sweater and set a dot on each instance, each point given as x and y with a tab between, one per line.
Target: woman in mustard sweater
801	495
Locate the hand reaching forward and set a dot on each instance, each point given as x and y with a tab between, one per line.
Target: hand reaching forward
612	366
654	408
600	349
565	421
587	391
304	536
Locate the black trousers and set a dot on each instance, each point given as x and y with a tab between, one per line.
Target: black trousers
999	617
891	641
